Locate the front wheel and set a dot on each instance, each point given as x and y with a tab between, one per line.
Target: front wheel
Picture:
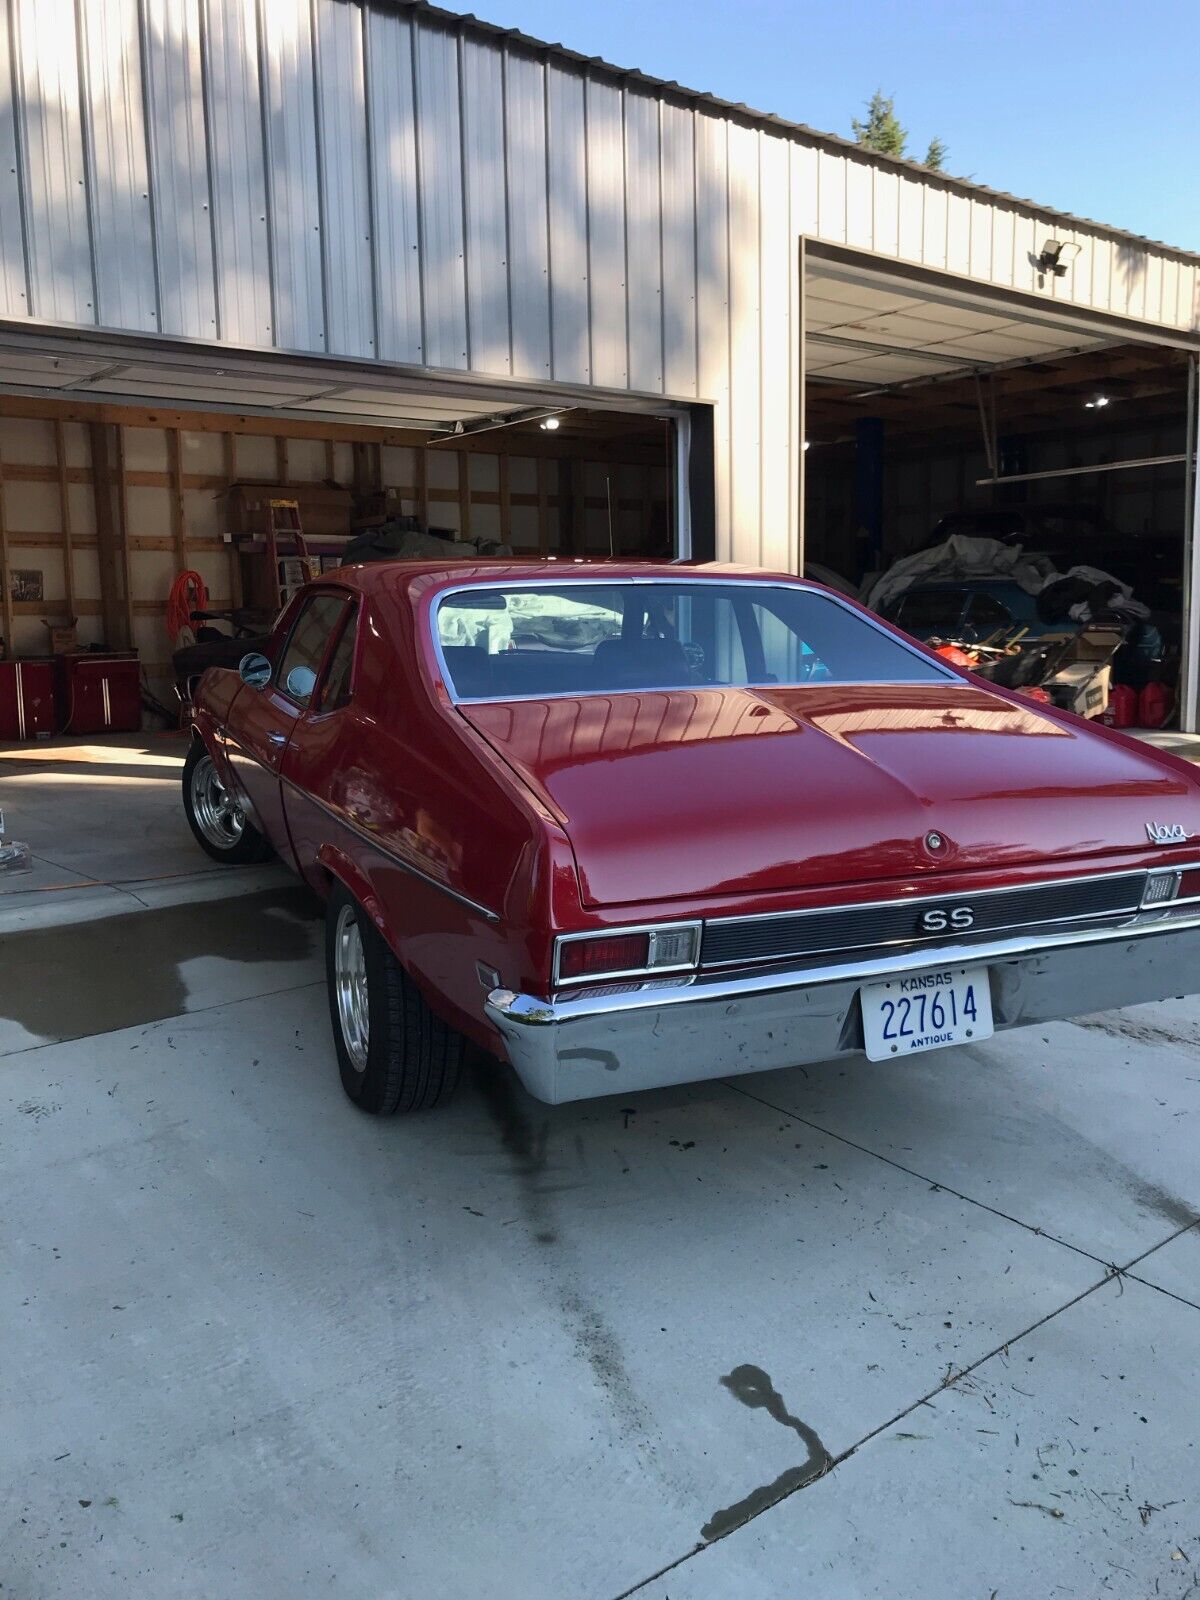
220	825
394	1054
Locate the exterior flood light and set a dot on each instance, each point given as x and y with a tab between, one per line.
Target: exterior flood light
1096	403
1057	255
549	424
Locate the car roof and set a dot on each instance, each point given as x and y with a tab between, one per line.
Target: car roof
397	577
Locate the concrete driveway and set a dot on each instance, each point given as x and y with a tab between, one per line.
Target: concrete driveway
864	1330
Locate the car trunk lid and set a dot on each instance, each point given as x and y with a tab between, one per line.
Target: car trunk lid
710	792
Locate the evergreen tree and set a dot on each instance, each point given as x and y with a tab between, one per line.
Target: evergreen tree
881	131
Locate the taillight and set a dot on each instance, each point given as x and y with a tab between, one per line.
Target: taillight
1189	884
590	955
619	952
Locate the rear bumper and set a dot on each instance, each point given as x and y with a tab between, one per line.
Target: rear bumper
619	1037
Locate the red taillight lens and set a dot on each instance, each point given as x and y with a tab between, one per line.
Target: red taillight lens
1189	886
620	952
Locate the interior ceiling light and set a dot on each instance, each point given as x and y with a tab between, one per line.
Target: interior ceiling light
549	424
1095	403
1057	255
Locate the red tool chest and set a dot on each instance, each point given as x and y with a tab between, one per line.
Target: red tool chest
99	693
26	699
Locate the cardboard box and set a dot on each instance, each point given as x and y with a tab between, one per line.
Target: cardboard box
62	637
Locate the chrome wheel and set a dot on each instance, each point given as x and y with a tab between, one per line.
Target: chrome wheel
218	815
350	987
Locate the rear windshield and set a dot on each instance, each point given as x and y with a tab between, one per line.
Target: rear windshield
516	641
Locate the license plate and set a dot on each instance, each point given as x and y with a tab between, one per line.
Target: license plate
926	1011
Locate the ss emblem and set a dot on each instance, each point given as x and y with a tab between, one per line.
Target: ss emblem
959	918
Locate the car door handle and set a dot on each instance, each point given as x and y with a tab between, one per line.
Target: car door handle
277	738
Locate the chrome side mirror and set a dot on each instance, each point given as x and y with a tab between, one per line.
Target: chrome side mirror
255	670
301	681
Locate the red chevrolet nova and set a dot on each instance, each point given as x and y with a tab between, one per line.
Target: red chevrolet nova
628	826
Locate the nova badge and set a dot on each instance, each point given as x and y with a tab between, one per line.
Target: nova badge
942	919
1167	833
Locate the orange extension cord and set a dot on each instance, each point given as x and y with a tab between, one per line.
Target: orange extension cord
188	594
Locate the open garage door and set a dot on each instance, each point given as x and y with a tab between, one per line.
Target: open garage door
935	407
124	462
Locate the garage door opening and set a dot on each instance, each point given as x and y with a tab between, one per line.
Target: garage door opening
121	468
933	412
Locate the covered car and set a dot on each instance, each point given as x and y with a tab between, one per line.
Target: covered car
741	824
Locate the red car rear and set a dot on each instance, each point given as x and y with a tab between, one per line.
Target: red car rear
630	826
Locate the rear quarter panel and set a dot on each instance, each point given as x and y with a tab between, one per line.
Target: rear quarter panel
424	826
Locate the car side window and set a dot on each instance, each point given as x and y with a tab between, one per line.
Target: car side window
985	611
931	611
305	649
336	689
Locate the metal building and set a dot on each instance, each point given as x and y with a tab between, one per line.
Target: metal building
380	214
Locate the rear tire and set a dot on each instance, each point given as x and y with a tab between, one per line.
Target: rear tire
394	1054
220	826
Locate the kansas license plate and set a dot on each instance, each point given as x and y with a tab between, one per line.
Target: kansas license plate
926	1011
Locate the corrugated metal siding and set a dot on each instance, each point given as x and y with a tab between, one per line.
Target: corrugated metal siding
118	184
293	184
237	172
440	195
643	212
392	129
566	172
525	182
177	143
489	329
347	233
14	289
58	239
607	212
361	179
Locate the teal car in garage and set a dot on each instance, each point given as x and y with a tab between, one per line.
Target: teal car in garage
967	611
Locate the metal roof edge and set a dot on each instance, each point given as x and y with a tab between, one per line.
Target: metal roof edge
465	21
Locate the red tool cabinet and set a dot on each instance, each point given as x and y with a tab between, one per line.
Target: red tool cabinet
26	699
99	693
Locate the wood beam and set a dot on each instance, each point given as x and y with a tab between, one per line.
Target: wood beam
505	501
123	524
543	505
175	475
422	496
6	579
117	632
464	496
64	513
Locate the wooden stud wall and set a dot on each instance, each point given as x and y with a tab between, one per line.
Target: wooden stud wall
112	502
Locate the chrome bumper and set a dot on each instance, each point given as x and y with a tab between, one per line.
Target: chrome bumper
618	1037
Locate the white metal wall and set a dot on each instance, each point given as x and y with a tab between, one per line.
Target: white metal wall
371	180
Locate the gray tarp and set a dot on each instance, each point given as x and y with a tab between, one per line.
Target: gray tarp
964	557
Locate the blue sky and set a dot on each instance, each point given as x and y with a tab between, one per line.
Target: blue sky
1088	108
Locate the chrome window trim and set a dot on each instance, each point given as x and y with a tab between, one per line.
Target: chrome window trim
320	590
696	924
592	580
